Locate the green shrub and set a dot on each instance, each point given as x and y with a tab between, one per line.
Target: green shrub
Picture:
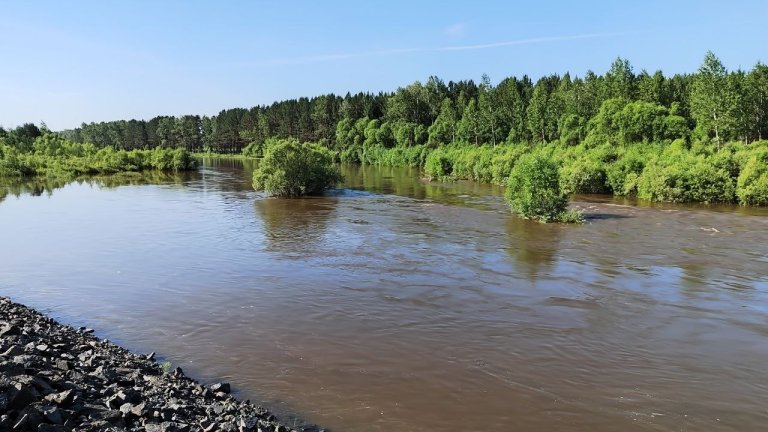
254	149
438	165
584	176
505	160
684	177
413	156
752	185
534	191
622	175
291	169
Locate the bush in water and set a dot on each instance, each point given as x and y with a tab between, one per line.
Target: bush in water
534	191
291	169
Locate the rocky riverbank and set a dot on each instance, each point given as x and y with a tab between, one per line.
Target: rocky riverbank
57	378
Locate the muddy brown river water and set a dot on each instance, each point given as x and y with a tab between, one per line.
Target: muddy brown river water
394	304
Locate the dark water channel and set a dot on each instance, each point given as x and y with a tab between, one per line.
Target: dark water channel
394	304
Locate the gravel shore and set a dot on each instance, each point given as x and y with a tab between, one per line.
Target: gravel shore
57	378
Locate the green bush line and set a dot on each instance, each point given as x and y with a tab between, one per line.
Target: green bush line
52	156
674	172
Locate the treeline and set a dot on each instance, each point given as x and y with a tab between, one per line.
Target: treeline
620	106
687	137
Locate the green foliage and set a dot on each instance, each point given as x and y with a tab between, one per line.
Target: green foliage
488	164
534	191
572	129
661	137
752	185
712	100
438	165
254	149
443	129
292	169
584	176
52	155
680	176
622	175
395	156
622	122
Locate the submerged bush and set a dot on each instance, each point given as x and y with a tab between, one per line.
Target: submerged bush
534	191
292	169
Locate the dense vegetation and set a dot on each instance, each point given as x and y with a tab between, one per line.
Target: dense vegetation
29	151
534	192
686	137
292	169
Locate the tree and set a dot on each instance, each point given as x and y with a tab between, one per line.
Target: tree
510	109
757	99
189	132
620	80
652	88
742	122
487	105
325	115
443	130
543	112
711	99
410	104
469	127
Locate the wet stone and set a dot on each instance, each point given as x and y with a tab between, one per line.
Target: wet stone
56	378
220	387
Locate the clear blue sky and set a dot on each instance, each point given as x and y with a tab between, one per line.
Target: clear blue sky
80	61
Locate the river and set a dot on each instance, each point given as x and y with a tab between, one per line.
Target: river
395	304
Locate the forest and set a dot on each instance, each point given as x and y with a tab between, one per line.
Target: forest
685	137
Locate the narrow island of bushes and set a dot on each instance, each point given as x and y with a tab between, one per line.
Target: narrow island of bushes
51	155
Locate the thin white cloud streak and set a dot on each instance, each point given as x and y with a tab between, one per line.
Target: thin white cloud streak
525	42
396	51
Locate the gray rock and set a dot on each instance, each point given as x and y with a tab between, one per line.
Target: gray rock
53	415
220	387
9	330
63	398
54	378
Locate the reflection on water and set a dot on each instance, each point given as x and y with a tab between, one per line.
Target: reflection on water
38	186
398	304
295	225
405	182
533	245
